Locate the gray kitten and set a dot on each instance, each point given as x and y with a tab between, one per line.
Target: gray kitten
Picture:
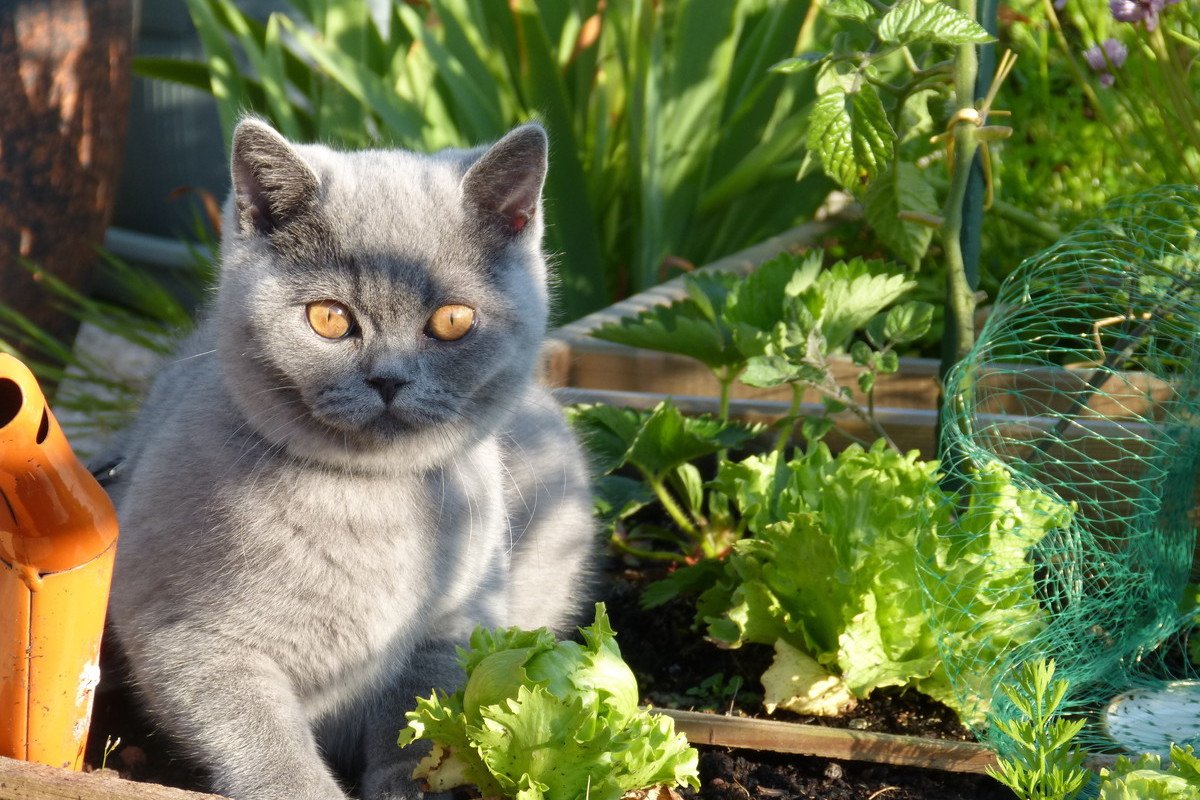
348	466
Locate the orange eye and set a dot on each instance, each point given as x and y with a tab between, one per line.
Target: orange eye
330	319
450	323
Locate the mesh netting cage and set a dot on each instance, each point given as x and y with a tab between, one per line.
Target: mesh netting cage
1084	385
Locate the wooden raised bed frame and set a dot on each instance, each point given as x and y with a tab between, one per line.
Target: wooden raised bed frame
586	369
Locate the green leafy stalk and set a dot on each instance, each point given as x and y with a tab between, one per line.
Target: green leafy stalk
960	297
1043	763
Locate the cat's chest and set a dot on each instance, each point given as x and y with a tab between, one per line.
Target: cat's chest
365	564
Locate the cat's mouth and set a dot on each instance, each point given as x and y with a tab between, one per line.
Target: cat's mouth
385	425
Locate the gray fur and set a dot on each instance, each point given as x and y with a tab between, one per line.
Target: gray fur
297	560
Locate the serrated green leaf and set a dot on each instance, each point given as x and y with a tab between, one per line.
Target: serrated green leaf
693	327
887	362
814	429
907	322
668	439
901	188
850	9
757	305
833	406
912	21
852	293
860	353
763	372
689	579
606	432
799	63
616	497
851	134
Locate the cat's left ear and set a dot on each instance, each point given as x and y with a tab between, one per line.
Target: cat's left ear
506	182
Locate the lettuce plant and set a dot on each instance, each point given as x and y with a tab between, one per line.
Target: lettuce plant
539	718
832	575
1145	778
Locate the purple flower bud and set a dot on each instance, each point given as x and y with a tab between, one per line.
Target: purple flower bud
1116	52
1102	58
1127	10
1145	11
1059	5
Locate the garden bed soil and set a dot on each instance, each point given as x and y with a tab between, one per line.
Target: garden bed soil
672	663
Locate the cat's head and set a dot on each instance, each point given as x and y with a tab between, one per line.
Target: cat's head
381	309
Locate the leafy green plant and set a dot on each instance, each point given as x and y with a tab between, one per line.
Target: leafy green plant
896	74
1043	763
92	401
670	137
1145	779
716	692
659	448
779	325
539	718
832	576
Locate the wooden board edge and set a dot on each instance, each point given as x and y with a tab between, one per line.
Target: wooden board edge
22	780
838	743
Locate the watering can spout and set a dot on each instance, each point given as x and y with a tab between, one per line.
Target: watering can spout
58	532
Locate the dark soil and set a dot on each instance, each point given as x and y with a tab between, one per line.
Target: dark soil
675	667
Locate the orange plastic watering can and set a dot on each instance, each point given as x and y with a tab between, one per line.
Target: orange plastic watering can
58	535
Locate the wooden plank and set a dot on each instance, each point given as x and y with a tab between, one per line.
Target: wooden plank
911	429
741	262
839	743
595	364
21	780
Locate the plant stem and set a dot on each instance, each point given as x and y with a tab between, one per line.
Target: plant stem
1031	223
648	555
788	429
726	382
959	295
856	408
672	508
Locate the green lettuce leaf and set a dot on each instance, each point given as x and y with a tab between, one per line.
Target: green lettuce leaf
1145	778
841	548
540	719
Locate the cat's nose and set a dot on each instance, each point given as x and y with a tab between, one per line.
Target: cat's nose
387	386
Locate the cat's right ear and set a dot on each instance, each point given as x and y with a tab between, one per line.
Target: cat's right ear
272	185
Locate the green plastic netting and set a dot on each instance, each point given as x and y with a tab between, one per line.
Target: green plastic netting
1085	384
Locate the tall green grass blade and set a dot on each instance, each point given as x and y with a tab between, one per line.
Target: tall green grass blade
269	67
399	116
480	115
570	218
173	70
224	74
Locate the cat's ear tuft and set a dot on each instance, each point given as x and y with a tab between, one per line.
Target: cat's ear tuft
272	185
506	182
